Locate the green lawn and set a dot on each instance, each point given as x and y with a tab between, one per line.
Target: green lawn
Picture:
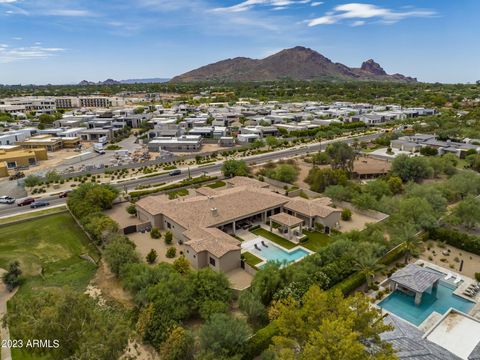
251	259
316	240
54	244
275	238
217	184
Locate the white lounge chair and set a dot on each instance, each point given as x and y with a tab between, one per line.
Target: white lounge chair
458	279
449	275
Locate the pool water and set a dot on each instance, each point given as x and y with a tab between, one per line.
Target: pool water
276	253
440	300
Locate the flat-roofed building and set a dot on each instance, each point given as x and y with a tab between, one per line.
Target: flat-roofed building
184	143
21	158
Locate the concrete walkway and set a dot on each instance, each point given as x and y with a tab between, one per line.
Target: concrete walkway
5	295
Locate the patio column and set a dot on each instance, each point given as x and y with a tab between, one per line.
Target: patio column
418	298
234	228
301	227
289	233
311	222
270	225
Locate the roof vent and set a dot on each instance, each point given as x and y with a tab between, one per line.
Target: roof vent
214	211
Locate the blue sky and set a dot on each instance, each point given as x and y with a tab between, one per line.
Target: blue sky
65	41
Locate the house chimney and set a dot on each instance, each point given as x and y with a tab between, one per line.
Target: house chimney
214	211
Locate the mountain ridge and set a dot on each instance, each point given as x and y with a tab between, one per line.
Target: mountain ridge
298	63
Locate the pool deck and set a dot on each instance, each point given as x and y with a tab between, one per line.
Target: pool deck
249	245
434	318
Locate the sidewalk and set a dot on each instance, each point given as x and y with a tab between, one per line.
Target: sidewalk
5	295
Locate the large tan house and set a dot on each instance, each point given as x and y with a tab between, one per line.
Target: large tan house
206	223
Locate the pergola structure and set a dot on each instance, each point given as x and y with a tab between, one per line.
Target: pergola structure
415	279
288	221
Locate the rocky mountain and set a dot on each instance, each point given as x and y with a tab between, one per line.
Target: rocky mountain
298	63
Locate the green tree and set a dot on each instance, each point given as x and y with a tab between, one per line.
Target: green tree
411	168
342	156
467	212
407	234
179	345
473	162
320	158
395	185
285	173
346	214
271	141
223	335
32	180
251	306
182	265
151	256
366	263
119	252
11	278
231	168
324	325
428	151
73	319
211	307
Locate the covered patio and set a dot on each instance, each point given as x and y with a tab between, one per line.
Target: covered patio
289	224
416	280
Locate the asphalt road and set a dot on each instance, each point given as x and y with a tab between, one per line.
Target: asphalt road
6	210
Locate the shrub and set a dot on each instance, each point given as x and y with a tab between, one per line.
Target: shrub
155	233
171	252
168	238
346	214
131	209
151	256
477	276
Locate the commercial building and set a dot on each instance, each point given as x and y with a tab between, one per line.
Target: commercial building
14	157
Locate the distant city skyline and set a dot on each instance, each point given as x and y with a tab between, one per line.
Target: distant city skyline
66	41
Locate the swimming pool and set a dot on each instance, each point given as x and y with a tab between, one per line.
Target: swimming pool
440	300
275	253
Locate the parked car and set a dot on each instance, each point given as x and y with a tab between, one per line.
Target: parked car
64	194
17	175
6	200
39	203
175	172
25	201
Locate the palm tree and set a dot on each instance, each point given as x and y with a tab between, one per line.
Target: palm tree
408	235
367	264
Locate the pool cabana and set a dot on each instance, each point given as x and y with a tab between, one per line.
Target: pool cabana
416	280
289	223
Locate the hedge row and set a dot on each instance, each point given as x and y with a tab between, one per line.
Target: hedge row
356	280
457	239
260	341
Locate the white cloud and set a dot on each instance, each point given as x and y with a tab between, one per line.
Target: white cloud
367	11
250	4
316	3
70	13
12	54
7	1
358	23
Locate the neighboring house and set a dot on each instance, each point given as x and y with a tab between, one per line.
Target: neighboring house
182	143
